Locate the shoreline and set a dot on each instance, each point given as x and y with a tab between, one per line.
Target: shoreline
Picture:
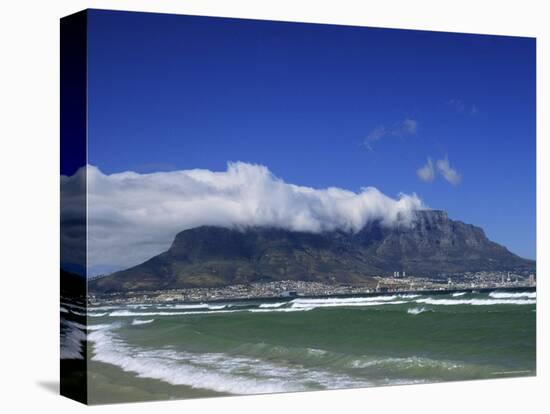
133	299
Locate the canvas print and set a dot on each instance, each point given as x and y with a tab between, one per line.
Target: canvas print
255	207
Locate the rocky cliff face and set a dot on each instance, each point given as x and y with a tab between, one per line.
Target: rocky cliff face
432	245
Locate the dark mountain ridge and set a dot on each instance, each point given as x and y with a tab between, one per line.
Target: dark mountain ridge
431	245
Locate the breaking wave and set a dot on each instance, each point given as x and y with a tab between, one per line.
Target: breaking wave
142	321
345	302
476	302
416	311
194	306
513	295
406	363
306	304
409	296
73	336
273	305
215	371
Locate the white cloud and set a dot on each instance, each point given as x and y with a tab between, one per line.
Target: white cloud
133	217
449	173
410	126
406	127
457	104
460	106
426	173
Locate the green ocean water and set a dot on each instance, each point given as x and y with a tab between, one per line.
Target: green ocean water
183	351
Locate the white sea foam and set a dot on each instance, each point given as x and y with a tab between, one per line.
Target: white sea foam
128	313
292	309
513	295
186	306
320	301
216	371
476	302
101	326
306	303
74	324
73	306
405	363
457	294
217	307
72	337
97	315
165	313
142	321
273	305
416	311
77	312
409	296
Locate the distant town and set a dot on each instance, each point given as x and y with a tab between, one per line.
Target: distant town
399	282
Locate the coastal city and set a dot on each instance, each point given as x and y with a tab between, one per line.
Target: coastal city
399	282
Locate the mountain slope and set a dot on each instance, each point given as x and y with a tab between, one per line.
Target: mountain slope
214	256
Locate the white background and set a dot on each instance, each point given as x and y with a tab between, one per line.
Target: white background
29	184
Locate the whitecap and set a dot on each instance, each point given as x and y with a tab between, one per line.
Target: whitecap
409	296
320	301
416	311
513	295
72	339
476	302
142	321
272	305
215	371
331	304
101	326
97	315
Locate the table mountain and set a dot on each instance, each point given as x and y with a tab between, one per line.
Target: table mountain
430	246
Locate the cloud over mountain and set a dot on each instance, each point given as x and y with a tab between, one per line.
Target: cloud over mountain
133	216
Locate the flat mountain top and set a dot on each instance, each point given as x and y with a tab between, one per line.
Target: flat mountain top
431	245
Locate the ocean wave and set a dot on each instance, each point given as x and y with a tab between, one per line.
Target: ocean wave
292	354
101	326
406	363
457	294
476	302
142	321
320	301
74	324
293	309
97	315
273	305
416	311
186	306
192	306
129	313
513	295
337	303
165	313
215	371
74	306
77	312
409	296
72	339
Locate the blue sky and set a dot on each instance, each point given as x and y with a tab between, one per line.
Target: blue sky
322	105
